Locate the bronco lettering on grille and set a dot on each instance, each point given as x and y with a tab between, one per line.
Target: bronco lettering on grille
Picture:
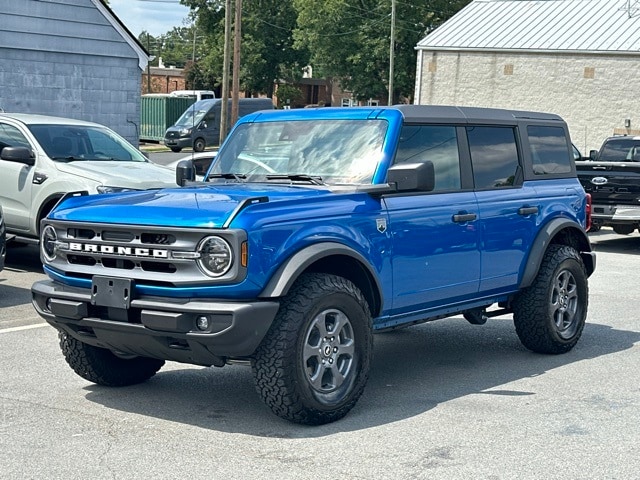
118	250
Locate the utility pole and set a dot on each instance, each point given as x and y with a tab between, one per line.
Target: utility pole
225	71
148	65
237	36
392	50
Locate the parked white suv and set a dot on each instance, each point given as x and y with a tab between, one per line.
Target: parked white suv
42	158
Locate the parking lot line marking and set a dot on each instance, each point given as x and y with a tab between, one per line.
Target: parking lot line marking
26	327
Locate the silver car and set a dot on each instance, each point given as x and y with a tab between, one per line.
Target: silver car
42	158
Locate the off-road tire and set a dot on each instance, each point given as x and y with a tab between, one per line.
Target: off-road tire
199	144
549	316
176	149
101	366
323	318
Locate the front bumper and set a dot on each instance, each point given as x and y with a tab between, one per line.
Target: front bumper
157	327
180	142
616	213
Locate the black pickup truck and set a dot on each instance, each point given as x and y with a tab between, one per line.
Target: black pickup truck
612	177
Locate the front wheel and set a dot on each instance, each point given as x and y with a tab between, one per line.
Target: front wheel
549	316
198	145
312	366
102	366
176	149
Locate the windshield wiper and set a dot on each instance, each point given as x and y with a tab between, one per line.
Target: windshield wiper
297	177
238	177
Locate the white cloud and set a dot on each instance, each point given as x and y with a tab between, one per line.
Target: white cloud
156	17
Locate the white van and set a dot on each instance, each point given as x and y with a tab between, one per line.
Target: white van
199	94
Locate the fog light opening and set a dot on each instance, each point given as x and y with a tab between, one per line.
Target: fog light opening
203	323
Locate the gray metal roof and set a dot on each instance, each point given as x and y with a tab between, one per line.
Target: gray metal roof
607	26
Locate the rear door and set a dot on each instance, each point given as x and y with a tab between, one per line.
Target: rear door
508	207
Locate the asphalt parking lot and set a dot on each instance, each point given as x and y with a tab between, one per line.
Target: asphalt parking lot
445	400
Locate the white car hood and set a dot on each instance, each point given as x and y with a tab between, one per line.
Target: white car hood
138	175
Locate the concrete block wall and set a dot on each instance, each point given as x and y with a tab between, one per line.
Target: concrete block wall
595	94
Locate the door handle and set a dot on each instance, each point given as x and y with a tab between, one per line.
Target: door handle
524	211
464	217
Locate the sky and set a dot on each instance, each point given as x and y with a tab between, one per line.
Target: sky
155	16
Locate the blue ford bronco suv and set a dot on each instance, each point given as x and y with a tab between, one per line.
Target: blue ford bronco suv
313	229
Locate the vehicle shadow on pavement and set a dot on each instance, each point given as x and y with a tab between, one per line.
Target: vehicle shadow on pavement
23	257
413	371
607	241
11	296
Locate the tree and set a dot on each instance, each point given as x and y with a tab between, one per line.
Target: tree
349	40
175	48
267	53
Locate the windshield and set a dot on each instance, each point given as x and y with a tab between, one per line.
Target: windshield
623	150
193	115
80	142
320	151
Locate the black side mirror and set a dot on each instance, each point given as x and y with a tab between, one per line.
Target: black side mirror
593	154
19	155
185	172
409	177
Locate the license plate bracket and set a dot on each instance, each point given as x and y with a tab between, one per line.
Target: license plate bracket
111	292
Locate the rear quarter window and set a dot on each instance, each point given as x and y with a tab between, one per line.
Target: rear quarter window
550	154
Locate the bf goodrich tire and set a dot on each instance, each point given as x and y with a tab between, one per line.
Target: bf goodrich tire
101	366
549	316
312	366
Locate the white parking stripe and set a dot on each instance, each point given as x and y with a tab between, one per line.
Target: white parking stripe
26	327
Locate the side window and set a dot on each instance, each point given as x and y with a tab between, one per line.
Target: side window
494	156
10	136
549	152
437	144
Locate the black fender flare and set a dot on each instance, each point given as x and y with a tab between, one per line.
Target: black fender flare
294	266
544	239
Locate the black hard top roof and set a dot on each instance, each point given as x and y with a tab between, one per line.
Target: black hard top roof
431	113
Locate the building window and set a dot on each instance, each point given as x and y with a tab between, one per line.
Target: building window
508	69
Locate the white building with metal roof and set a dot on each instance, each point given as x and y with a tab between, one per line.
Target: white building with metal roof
577	58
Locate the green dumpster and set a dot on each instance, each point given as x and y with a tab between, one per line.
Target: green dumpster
158	112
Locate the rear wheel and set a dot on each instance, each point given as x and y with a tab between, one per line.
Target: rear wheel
623	228
549	316
312	366
198	145
102	366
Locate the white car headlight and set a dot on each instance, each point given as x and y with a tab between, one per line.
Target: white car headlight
216	256
185	131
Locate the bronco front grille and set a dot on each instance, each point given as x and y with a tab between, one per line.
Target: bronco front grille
151	255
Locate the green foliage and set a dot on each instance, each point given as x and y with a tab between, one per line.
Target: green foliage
288	95
350	40
346	40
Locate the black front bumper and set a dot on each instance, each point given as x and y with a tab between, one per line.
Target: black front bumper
158	327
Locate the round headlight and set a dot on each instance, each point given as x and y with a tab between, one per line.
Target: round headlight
48	241
215	256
